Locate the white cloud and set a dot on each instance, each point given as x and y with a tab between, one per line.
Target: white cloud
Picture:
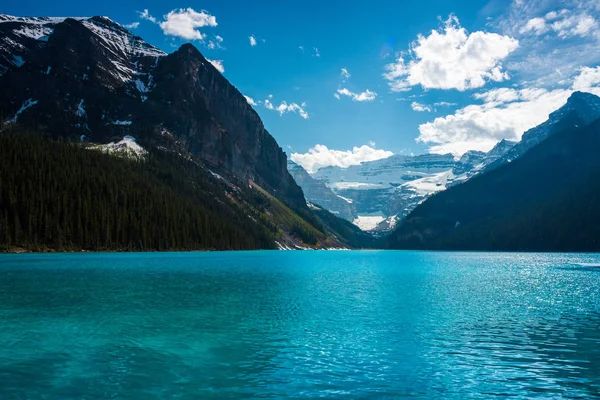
185	23
146	15
444	104
345	74
337	96
250	100
564	23
451	58
218	64
215	43
367	95
536	25
553	51
420	107
252	40
588	78
316	54
132	25
282	108
320	156
505	113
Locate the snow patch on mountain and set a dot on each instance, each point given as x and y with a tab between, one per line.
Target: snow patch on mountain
368	222
432	184
127	147
80	109
27	104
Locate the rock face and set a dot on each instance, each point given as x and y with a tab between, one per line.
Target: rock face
318	193
92	77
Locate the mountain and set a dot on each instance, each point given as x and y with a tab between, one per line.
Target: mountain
318	193
544	200
92	77
385	191
585	105
91	81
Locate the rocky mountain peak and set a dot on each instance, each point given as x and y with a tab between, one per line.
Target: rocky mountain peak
580	108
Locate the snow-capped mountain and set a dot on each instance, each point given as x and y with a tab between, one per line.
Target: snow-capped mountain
128	58
385	191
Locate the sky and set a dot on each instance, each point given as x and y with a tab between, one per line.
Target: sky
343	82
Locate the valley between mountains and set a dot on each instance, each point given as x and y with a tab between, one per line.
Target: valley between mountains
108	143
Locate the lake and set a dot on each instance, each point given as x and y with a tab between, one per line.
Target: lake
276	324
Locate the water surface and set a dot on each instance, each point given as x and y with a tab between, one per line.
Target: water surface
370	324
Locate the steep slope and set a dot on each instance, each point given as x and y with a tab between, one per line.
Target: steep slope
92	81
545	200
585	106
318	193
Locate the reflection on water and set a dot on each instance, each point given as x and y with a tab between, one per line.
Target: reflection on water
299	324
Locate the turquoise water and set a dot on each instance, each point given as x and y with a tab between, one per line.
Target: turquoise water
299	324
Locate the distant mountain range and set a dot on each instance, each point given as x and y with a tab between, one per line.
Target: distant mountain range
93	82
378	194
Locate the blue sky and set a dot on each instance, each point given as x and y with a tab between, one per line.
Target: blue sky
426	76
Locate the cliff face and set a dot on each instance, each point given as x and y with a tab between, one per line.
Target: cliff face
214	121
91	79
319	194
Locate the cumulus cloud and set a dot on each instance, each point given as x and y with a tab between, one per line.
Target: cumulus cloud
320	156
451	58
146	15
505	113
536	25
185	23
218	64
587	79
132	25
345	74
367	95
420	107
252	40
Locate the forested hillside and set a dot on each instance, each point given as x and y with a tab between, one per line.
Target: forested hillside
59	195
